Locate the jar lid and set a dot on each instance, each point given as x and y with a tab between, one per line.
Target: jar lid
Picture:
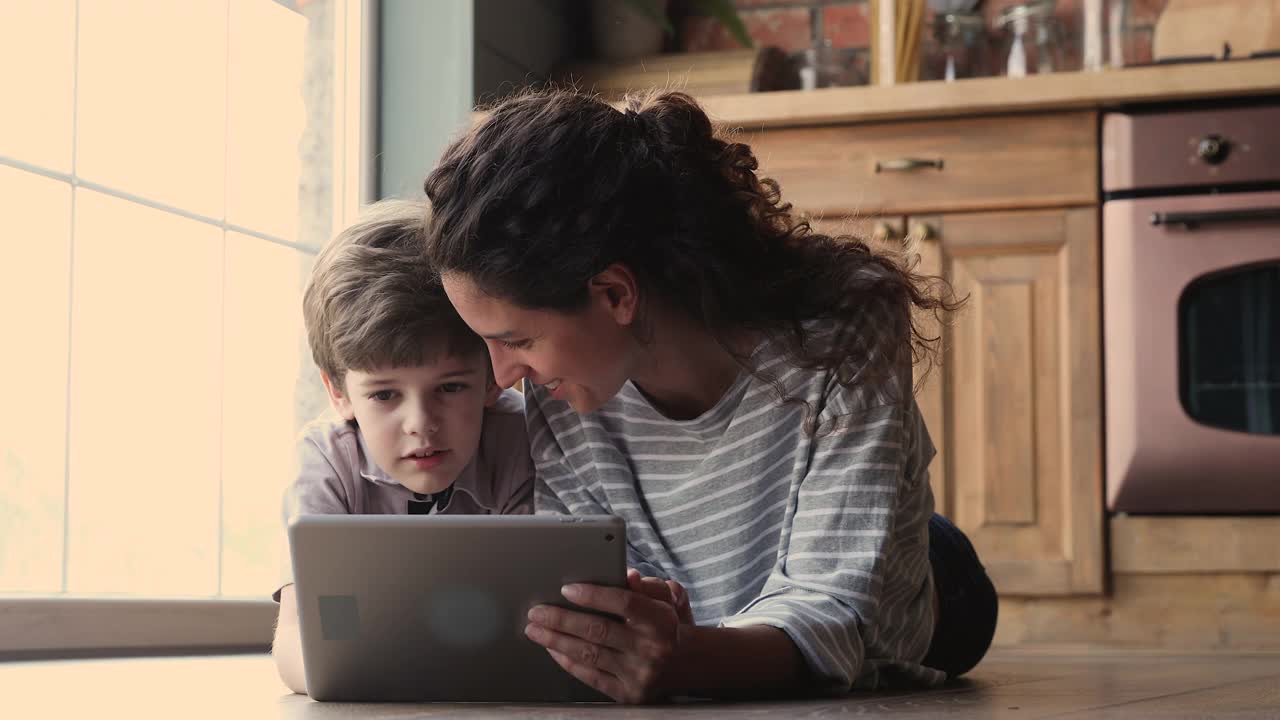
963	20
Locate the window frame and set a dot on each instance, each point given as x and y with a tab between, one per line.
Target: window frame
73	625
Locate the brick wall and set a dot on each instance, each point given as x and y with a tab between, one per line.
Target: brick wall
787	24
794	26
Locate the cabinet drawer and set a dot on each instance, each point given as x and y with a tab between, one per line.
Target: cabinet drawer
987	163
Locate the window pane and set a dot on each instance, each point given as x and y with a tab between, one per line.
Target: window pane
1230	350
145	370
36	53
34	277
186	374
264	148
152	100
270	389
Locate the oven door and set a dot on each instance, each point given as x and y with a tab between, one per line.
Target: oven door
1191	314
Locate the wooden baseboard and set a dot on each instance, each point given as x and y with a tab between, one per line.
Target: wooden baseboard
1162	545
1220	611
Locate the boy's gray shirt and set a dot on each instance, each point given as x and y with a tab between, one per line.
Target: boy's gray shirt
336	476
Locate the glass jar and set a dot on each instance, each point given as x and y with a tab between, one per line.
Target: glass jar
958	47
1128	31
826	66
1032	40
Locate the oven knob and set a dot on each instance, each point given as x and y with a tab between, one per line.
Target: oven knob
1213	149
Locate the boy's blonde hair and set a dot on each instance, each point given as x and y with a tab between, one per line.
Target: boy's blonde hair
374	301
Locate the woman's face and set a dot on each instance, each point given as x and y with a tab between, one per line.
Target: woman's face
582	358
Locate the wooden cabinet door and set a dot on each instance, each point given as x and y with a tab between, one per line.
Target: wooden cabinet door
1014	408
1020	395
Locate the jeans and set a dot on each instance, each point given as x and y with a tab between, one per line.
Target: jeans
967	601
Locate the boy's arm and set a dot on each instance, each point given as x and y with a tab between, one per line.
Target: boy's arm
286	648
319	488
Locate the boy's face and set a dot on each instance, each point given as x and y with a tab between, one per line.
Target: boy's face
421	424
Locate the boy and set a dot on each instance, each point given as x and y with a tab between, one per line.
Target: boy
419	426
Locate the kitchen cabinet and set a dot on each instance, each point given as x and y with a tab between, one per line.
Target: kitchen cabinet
1009	212
1014	408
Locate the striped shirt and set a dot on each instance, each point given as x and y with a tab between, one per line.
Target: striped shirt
823	535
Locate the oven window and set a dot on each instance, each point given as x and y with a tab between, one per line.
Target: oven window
1229	350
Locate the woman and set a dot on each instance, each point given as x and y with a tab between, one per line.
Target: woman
734	385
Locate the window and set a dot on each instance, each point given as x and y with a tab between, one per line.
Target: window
1229	350
167	173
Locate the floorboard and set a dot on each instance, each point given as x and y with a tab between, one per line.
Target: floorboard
1010	683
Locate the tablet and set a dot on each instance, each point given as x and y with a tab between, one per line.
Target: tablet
413	608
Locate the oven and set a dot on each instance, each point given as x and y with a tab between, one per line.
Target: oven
1191	310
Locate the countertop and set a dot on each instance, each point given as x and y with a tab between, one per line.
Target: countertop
981	96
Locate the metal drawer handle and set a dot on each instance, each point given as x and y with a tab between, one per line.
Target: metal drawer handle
922	231
1192	220
907	164
884	232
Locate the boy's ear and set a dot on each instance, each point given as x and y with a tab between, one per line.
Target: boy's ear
338	398
491	392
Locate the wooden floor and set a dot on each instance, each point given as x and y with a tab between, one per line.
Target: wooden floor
1008	684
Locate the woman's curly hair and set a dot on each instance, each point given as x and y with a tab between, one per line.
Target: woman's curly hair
553	187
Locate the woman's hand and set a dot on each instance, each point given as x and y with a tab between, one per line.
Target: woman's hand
625	660
665	590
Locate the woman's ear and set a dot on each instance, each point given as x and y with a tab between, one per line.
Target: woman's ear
338	398
616	291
